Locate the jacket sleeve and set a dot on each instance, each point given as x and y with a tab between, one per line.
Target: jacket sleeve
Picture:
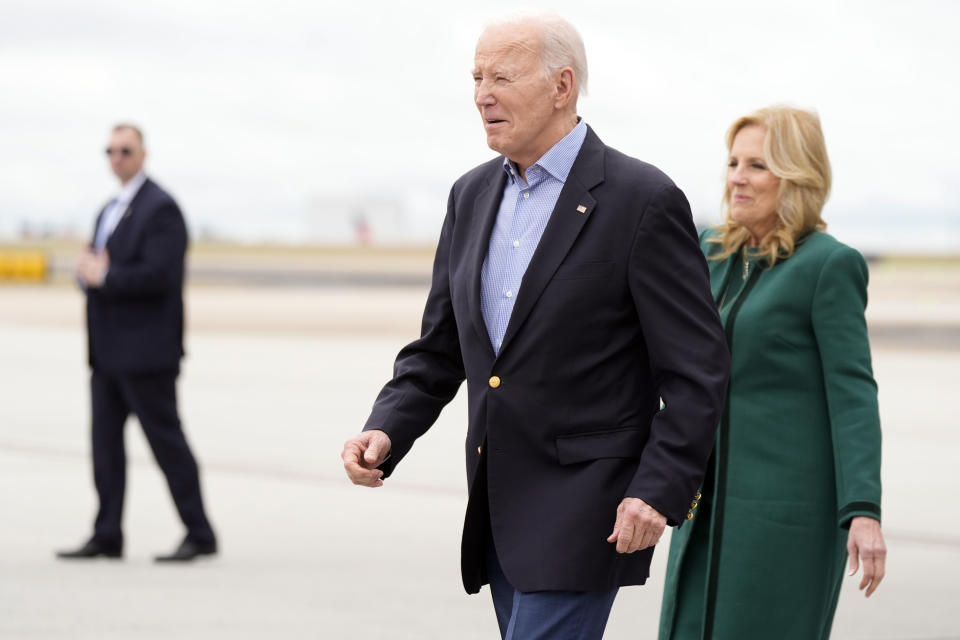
158	270
689	359
839	301
429	370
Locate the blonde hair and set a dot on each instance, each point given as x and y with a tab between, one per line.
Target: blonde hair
795	152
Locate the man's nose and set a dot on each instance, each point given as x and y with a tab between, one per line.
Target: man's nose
482	95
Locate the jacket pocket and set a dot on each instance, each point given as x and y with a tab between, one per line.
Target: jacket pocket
616	443
583	271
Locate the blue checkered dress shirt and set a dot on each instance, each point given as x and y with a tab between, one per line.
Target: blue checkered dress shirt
524	212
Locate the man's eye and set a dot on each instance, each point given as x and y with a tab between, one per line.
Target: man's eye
732	164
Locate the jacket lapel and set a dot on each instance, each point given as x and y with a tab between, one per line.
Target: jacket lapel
486	208
718	286
573	208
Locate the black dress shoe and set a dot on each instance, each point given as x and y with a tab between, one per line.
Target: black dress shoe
93	548
189	550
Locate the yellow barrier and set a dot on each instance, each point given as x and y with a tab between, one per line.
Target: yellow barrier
23	266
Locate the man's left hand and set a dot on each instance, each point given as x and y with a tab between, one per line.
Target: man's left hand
639	526
92	267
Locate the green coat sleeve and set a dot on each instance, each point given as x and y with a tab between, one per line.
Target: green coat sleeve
839	301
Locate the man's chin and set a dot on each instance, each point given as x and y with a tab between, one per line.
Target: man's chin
495	143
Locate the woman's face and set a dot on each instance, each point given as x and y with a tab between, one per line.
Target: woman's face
751	184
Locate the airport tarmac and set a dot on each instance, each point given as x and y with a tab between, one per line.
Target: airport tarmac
274	382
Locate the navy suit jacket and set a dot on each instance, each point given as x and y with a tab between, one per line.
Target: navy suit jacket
135	319
613	313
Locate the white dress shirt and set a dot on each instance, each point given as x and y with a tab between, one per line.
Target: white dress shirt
115	210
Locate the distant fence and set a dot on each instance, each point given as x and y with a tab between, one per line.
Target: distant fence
17	265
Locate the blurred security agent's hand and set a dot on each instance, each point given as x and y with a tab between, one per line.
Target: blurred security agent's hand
92	267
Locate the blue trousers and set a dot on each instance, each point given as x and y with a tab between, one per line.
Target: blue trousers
546	615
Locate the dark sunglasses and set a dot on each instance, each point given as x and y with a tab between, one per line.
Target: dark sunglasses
122	150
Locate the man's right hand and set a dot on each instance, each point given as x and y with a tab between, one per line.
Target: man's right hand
92	267
361	456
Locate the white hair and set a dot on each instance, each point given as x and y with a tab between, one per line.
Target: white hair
561	45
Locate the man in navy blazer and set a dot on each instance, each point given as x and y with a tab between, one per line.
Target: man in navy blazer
569	291
132	274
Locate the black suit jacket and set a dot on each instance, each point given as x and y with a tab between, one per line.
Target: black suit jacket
135	319
613	313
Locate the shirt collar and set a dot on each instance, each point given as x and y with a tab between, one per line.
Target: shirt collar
559	159
129	190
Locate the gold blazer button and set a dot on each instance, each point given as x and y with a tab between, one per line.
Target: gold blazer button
689	516
479	450
494	382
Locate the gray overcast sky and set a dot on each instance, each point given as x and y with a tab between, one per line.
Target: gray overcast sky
277	121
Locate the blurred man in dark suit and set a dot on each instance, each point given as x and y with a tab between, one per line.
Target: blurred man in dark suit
132	274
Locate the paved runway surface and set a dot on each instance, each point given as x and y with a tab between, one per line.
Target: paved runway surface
267	403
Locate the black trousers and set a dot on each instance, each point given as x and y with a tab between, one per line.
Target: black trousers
152	398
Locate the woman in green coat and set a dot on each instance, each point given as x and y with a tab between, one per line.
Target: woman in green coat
794	480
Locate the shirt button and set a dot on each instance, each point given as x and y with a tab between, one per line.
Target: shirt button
509	294
494	382
526	194
516	243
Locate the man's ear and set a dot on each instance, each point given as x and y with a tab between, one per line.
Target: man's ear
564	88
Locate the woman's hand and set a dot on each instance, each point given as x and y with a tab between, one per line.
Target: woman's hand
865	542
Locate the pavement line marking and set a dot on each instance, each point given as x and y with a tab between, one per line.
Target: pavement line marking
243	470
